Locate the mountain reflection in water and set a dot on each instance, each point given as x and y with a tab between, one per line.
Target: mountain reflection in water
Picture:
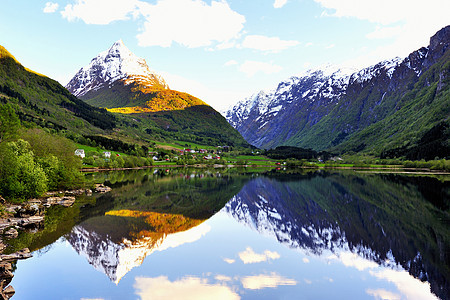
147	215
374	220
394	228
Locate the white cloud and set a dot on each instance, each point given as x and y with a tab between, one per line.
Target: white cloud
229	260
279	3
50	7
387	11
409	286
305	260
191	23
250	68
330	46
222	278
230	63
226	45
266	281
269	44
383	294
385	32
408	22
351	259
249	256
185	288
307	281
101	12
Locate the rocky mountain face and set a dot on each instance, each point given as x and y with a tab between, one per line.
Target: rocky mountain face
269	118
117	63
324	110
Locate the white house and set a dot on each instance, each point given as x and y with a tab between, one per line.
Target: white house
80	153
107	154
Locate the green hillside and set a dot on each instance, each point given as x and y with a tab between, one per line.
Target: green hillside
411	120
420	125
43	102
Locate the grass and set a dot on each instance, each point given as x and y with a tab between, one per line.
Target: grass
164	163
182	145
254	157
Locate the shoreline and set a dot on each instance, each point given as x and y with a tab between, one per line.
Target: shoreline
394	169
29	216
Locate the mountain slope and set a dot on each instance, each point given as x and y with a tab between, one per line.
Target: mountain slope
117	79
123	83
370	111
298	103
43	101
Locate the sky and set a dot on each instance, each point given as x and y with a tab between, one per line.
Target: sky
221	51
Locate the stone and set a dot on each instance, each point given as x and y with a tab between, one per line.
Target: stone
2	200
21	254
6	277
11	233
12	208
21	222
64	201
75	192
9	291
100	188
28	210
5	266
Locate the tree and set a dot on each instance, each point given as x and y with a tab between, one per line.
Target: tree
21	177
9	122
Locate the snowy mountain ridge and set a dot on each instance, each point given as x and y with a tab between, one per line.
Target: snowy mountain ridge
116	63
325	108
329	82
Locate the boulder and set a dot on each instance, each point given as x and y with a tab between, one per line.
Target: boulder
100	188
28	210
21	254
64	201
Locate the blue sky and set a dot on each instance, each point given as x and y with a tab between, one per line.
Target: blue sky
219	51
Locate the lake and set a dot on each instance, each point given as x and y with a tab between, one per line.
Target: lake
208	234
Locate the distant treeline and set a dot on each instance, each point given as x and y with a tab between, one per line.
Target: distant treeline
285	152
117	145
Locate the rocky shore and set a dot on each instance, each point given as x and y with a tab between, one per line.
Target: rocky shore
29	216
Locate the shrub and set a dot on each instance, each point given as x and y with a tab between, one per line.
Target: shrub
21	177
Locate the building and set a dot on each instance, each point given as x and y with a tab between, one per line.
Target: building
80	153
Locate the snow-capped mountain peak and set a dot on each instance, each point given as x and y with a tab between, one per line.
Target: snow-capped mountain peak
116	63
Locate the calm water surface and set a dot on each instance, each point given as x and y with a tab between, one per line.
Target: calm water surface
181	234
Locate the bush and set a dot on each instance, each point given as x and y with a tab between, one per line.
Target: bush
21	177
56	156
